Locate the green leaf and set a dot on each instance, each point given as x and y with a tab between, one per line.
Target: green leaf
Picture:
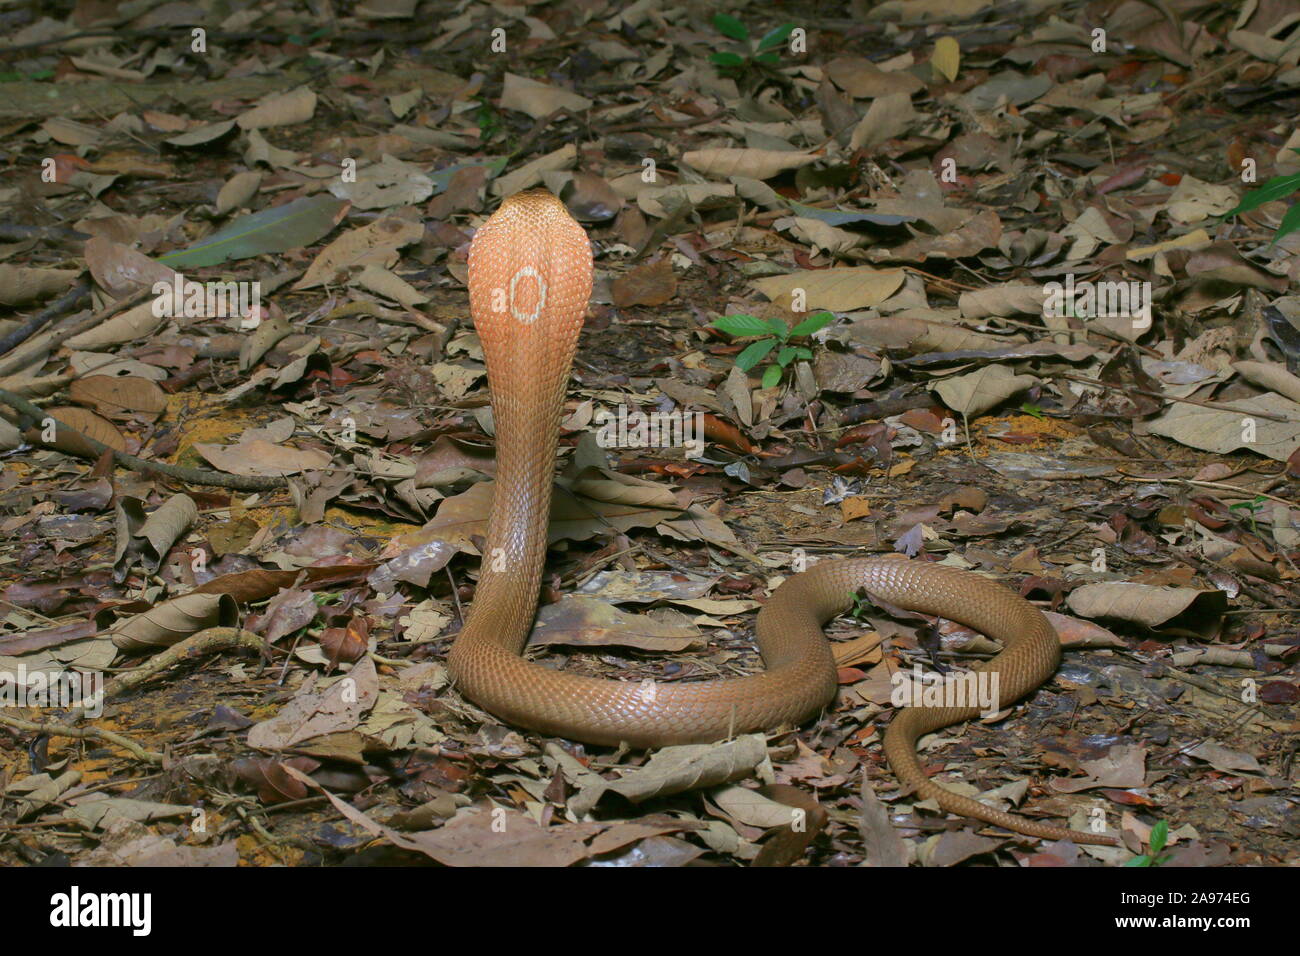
1278	187
813	323
768	59
776	37
742	324
784	356
1030	409
754	353
726	59
778	328
1289	224
17	77
771	376
803	353
1143	860
730	26
291	226
1159	834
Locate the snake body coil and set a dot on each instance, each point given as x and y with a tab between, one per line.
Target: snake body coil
530	276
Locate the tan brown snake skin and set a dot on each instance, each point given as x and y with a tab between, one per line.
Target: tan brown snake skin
530	277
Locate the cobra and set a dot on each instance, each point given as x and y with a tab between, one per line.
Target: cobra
530	277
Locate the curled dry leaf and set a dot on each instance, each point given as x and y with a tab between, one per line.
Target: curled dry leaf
152	537
20	285
238	190
1153	607
280	109
267	776
173	621
135	323
758	164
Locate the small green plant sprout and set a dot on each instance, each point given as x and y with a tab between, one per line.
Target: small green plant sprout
1254	506
863	607
773	333
1279	187
1029	408
749	55
1159	837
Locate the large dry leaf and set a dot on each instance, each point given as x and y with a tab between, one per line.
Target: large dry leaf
650	284
238	190
530	174
79	422
384	185
977	392
259	584
538	99
929	331
502	837
314	713
593	506
577	621
120	270
889	116
258	458
660	201
862	79
840	290
114	394
1193	201
692	767
1216	430
1150	606
386	284
148	538
201	135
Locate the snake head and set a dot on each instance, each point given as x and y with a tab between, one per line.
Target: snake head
530	277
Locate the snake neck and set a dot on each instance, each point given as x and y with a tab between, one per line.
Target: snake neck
505	600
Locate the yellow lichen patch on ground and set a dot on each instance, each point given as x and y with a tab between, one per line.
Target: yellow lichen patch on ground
20	468
1029	433
223	426
1045	428
371	522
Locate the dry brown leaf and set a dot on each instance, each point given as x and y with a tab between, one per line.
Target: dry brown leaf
115	394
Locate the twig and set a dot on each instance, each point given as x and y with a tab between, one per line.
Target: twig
96	733
64	303
1217	485
1097	383
31	414
23	357
206	641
